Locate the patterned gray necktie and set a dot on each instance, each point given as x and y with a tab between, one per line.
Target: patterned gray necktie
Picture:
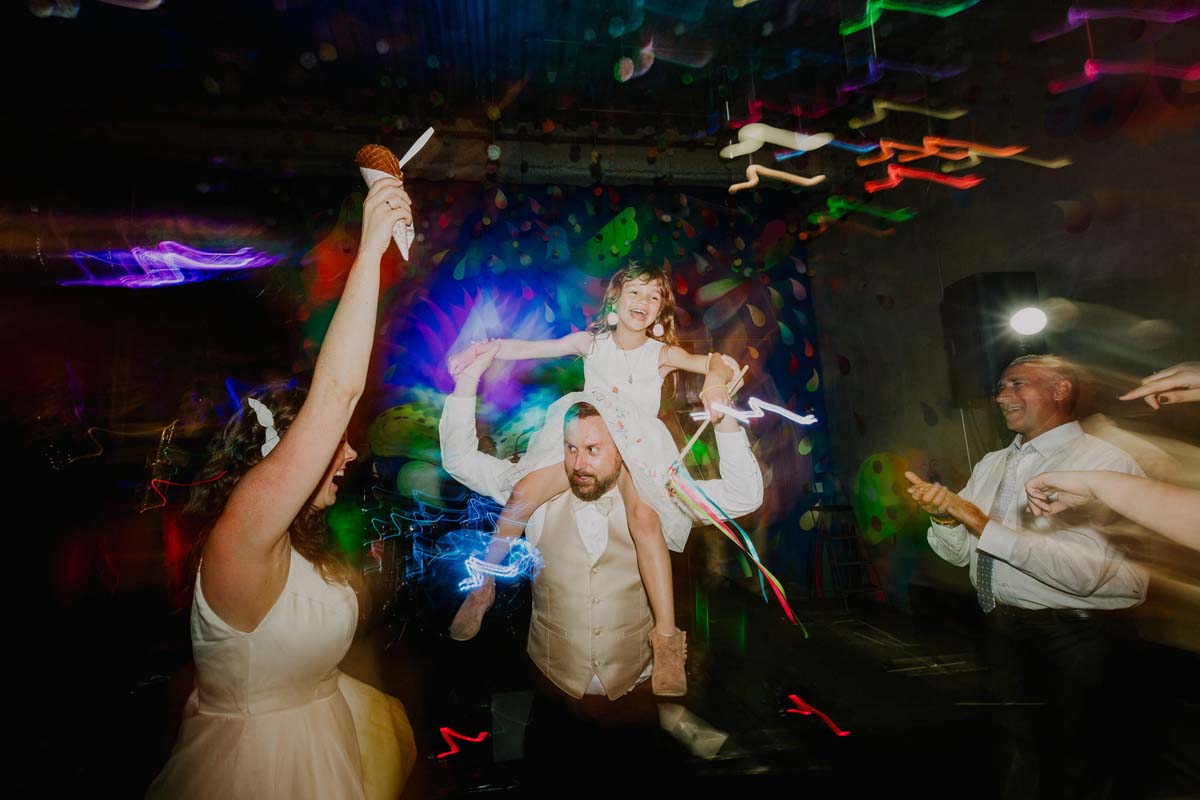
1009	486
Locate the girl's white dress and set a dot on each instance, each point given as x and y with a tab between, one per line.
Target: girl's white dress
626	387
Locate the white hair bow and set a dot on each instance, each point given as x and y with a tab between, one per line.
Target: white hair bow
271	437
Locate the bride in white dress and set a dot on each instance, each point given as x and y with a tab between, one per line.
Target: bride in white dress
274	613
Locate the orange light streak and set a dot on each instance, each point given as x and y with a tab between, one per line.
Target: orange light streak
897	174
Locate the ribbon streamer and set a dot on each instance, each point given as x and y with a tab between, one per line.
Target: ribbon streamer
687	490
682	487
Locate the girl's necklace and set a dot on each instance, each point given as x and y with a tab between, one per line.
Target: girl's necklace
628	368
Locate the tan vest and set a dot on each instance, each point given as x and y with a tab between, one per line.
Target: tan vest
589	619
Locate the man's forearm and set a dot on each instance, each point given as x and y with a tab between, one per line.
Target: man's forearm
466	386
727	424
740	489
968	514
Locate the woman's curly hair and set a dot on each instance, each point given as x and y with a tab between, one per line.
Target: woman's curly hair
233	452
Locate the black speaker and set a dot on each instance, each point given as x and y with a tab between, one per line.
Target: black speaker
979	340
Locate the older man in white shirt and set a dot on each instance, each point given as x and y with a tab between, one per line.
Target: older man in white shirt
1051	587
590	623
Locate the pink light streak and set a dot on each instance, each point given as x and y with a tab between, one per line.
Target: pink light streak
449	733
756	107
154	484
1094	69
804	709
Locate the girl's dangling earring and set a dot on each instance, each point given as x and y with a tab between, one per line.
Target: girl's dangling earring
612	319
657	330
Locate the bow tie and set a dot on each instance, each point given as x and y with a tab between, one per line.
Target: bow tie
603	505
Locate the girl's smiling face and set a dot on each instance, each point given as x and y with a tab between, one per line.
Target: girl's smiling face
639	304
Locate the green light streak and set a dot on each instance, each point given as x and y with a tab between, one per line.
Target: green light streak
839	207
875	9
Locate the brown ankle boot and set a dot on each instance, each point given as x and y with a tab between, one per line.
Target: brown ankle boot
669	678
470	614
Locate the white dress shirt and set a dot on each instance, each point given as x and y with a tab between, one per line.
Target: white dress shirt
1061	561
739	489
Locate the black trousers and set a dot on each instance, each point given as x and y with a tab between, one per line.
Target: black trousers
593	744
1060	675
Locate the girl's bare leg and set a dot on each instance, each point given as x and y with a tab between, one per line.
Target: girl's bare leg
654	561
530	492
669	677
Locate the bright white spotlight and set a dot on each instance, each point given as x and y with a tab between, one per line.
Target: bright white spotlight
1028	321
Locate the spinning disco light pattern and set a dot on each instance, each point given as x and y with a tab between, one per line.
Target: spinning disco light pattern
603	252
882	506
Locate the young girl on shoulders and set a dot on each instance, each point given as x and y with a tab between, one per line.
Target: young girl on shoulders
628	350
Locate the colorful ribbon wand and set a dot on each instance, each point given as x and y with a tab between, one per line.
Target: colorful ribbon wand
700	503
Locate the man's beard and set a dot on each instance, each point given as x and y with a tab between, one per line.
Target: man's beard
592	490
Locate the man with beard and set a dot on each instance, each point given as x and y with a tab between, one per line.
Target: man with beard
590	624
